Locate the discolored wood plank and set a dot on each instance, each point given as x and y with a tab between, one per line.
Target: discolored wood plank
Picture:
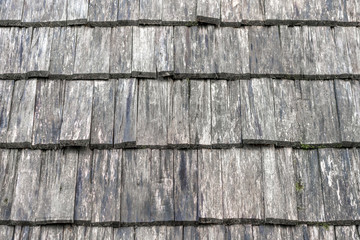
106	186
103	13
40	13
150	11
75	129
208	11
346	232
11	12
6	232
102	123
238	12
121	51
178	12
77	12
200	113
239	232
179	125
20	126
125	112
128	12
123	233
153	113
48	113
52	232
6	90
26	189
185	185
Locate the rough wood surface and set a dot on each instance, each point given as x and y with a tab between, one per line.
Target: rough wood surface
185	185
164	51
6	90
106	189
346	232
277	11
11	12
128	11
75	129
239	232
6	232
153	113
125	112
102	123
51	12
178	12
208	11
121	51
350	40
150	11
20	126
124	233
200	113
321	233
270	232
105	233
52	232
237	12
77	12
102	12
158	232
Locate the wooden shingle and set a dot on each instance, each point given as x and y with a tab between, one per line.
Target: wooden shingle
103	13
150	11
121	51
346	232
6	232
208	11
237	12
52	232
124	233
178	12
6	89
239	232
11	12
40	13
128	12
77	12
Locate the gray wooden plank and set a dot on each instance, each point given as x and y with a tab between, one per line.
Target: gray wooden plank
210	185
40	50
321	232
4	48
106	189
271	232
242	177
6	89
318	112
346	232
8	167
26	188
56	196
52	232
40	13
77	12
212	232
238	12
6	232
62	56
348	106
158	232
279	185
257	111
26	232
340	181
121	51
48	113
178	12
191	232
306	10
150	11
276	11
349	38
128	12
153	113
239	232
102	123
162	189
11	12
78	232
186	185
103	13
200	113
124	233
83	192
164	51
125	112
179	125
20	126
310	202
233	52
208	11
101	233
75	128
225	113
352	11
92	60
136	186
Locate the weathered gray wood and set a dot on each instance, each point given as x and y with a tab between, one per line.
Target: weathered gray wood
8	167
158	232
52	232
346	232
153	113
6	90
210	185
150	11
164	50
48	113
257	111
83	191
232	49
26	189
200	113
185	185
225	113
125	112
237	12
321	233
340	181
77	12
6	232
178	12
239	232
20	126
121	51
310	202
102	124
106	186
92	59
101	233
75	128
271	232
208	11
103	13
348	105
124	233
11	12
212	232
318	112
26	232
191	232
162	185
179	125
128	12
242	177
279	185
57	187
39	62
78	232
40	13
62	52
349	48
4	48
136	186
276	11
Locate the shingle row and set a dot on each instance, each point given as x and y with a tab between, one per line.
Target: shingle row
220	232
152	186
179	113
196	52
171	12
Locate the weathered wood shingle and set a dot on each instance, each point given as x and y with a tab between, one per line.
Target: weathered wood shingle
103	13
11	12
208	11
50	12
6	89
178	12
121	51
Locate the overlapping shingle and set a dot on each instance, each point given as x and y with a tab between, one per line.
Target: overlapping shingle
38	13
103	13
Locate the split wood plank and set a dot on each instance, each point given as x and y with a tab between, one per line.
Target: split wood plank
77	12
11	12
235	13
124	233
128	12
103	13
121	51
105	233
6	90
164	51
178	12
75	129
40	13
208	11
150	11
239	232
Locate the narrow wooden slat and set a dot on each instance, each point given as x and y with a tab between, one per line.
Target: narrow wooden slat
178	12
121	52
6	232
4	48
238	12
11	12
6	89
321	233
270	232
52	232
103	13
164	51
128	12
346	232
349	49
159	232
208	11
50	13
276	11
124	233
77	12
150	11
104	233
239	232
